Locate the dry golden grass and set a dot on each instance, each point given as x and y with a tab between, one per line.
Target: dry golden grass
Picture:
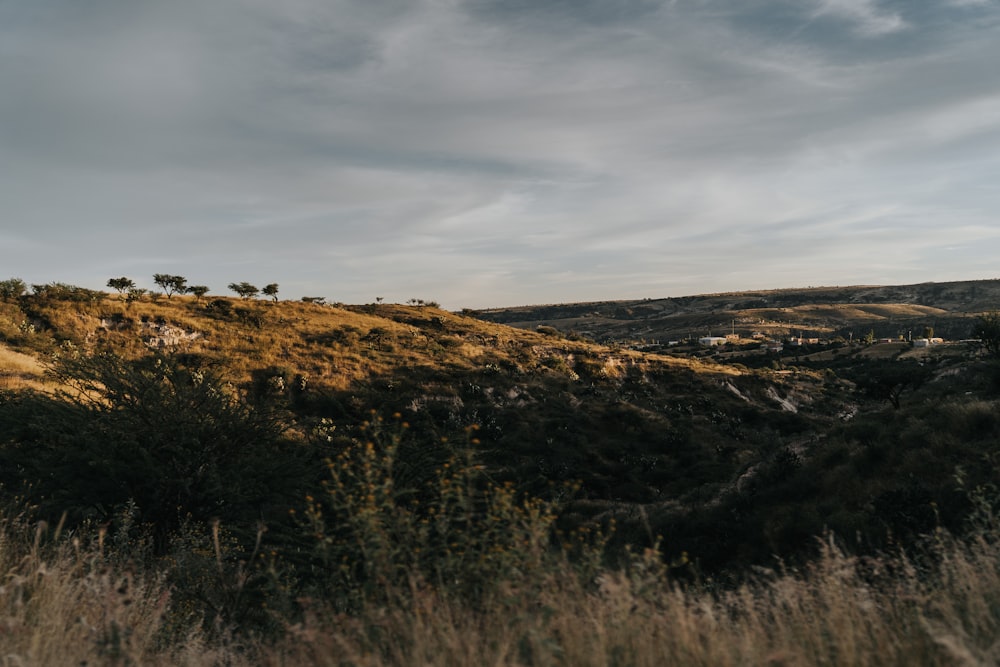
66	604
20	371
839	612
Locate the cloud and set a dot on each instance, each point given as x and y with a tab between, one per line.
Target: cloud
867	17
548	150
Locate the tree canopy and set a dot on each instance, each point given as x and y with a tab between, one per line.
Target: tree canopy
987	330
121	285
245	290
171	284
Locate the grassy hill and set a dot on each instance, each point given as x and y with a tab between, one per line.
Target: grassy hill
322	439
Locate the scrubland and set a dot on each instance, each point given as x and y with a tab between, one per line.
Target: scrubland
220	481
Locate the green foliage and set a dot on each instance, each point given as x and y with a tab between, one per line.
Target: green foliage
384	516
171	284
271	291
65	292
121	285
198	290
244	289
987	330
175	440
885	380
12	288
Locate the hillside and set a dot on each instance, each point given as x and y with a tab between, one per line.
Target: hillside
660	443
816	311
273	467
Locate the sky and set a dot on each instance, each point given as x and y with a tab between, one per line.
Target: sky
485	153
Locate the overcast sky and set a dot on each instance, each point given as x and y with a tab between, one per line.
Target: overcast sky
500	152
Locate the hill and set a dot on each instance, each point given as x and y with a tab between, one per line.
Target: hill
659	443
829	312
375	459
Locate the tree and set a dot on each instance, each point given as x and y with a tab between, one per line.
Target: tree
171	284
271	290
12	288
198	291
135	294
987	330
121	285
885	380
245	290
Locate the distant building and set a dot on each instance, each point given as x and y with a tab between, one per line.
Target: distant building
927	342
712	341
800	341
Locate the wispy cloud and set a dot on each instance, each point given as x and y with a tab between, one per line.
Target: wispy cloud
496	151
866	16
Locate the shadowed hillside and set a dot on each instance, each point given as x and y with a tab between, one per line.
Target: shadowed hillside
258	455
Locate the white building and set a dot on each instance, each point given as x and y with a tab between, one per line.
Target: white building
712	341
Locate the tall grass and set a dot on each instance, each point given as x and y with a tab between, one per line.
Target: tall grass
839	611
65	601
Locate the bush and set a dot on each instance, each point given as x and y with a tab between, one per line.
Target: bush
175	440
383	517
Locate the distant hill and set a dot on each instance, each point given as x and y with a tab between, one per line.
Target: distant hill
816	311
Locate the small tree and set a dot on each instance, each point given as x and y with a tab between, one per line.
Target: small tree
987	330
121	285
170	284
198	291
886	380
271	291
12	288
135	294
245	290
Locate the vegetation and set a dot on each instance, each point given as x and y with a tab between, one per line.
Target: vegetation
228	482
987	330
121	285
171	284
12	288
198	290
245	290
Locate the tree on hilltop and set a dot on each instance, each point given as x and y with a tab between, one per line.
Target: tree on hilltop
12	288
271	291
171	284
121	285
198	291
245	290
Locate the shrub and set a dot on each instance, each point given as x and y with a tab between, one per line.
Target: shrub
383	517
175	440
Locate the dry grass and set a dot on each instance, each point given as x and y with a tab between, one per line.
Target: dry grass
62	603
20	371
841	611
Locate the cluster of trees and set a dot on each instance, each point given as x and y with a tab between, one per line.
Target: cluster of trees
171	284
